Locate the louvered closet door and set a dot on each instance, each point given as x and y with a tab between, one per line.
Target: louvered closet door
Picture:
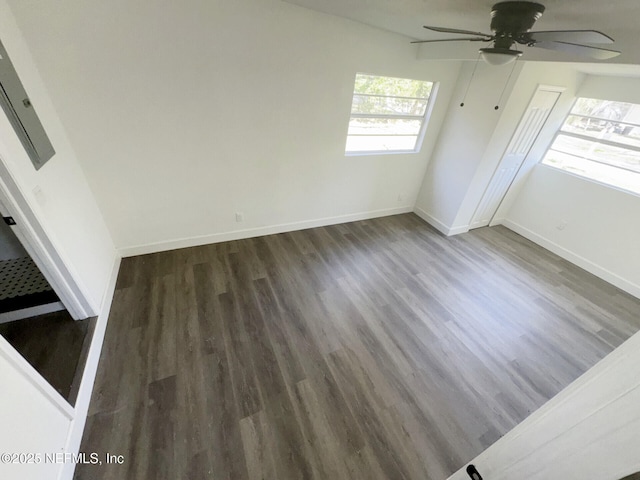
528	129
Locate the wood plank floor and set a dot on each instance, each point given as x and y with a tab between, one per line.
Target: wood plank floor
371	350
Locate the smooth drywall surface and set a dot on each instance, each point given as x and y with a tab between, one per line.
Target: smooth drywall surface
566	76
531	76
590	224
620	89
589	430
58	193
577	84
465	139
186	113
34	428
474	137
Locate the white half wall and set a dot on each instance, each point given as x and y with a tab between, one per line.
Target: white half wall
186	114
589	430
58	194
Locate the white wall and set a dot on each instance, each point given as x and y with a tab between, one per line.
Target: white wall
33	416
474	138
58	193
602	231
183	113
531	76
621	89
589	430
570	78
592	428
465	137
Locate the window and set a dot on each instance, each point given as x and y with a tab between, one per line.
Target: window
388	115
600	140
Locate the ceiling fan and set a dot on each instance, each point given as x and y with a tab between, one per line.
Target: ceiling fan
511	23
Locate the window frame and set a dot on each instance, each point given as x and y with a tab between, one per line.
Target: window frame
587	138
424	118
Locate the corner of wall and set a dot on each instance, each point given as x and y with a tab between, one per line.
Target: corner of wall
575	258
58	194
439	225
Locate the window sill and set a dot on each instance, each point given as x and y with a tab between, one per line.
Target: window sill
381	152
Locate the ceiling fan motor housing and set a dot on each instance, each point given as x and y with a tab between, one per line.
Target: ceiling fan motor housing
509	20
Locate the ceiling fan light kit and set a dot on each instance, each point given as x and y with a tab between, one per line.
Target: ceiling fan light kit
499	56
511	24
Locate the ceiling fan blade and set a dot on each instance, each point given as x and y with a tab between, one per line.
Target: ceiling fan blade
453	40
574	48
455	30
573	36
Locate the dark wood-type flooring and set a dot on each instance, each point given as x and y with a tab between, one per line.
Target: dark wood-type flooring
55	345
371	350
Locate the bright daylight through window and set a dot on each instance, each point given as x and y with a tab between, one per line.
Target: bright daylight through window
388	115
600	139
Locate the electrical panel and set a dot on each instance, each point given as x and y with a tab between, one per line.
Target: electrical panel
22	114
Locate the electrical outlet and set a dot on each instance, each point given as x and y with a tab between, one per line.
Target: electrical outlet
401	198
239	217
562	225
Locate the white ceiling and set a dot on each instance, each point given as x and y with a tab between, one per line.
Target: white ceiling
616	18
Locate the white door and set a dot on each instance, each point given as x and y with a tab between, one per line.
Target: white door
528	129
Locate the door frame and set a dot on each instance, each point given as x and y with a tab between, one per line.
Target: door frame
33	236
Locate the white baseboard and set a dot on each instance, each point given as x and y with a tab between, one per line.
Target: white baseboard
89	375
31	312
438	225
458	230
574	258
257	232
497	221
